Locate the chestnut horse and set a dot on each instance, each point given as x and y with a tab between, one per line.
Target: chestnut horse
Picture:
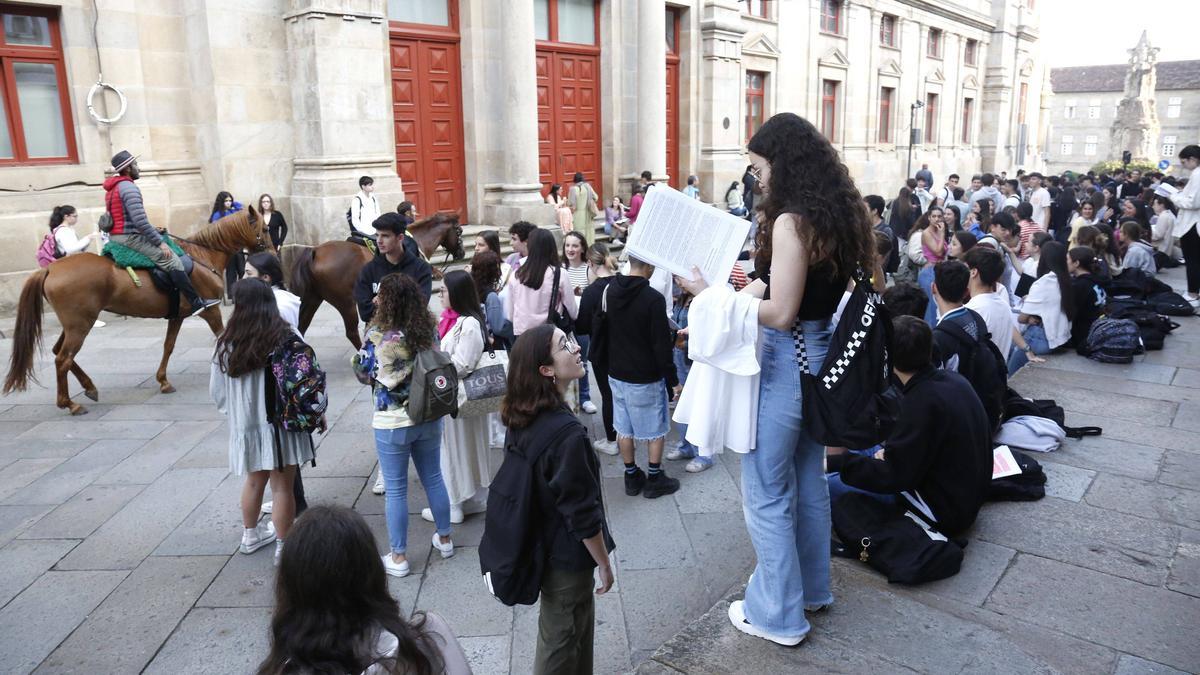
326	273
80	286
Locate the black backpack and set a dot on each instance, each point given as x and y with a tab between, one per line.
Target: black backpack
1170	303
1016	405
983	366
1113	341
894	541
1154	326
512	552
1135	283
350	213
1027	486
852	401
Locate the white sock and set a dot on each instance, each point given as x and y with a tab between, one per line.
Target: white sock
251	532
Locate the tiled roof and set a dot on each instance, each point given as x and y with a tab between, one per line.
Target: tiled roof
1171	75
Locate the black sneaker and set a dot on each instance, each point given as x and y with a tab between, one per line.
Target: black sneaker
660	484
634	482
204	304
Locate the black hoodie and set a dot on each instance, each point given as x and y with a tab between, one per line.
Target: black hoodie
374	271
939	456
639	338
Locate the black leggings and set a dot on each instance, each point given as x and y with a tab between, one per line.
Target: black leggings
606	406
1190	243
234	270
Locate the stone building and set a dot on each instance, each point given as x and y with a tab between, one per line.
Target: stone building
478	105
1149	107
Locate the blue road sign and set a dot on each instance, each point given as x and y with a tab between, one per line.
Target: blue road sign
1164	164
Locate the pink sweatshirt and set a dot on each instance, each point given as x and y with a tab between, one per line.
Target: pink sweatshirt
527	307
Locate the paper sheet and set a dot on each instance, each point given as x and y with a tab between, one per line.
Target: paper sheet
676	232
1003	462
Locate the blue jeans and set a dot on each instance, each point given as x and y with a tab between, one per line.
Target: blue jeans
1035	337
785	498
837	488
681	371
585	388
925	281
423	442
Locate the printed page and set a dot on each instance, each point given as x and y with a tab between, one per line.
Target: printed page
675	232
1003	462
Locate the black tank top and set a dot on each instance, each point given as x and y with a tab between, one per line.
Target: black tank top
822	292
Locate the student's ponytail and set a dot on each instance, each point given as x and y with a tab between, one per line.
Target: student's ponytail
59	214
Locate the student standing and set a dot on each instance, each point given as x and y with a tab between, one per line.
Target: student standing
575	264
1187	221
543	363
603	267
582	200
62	226
258	449
276	225
529	300
400	328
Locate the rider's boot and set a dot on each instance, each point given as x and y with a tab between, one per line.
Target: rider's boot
184	284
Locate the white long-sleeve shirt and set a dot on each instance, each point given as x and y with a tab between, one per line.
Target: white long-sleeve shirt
364	209
1188	201
69	242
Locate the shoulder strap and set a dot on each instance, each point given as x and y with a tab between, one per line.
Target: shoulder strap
554	290
604	298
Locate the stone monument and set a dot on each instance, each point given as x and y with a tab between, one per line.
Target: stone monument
1136	127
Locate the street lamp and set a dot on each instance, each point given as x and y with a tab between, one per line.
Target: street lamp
913	132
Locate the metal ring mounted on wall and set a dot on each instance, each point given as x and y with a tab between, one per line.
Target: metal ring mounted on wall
97	88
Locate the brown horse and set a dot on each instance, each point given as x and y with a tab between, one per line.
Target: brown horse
80	286
326	273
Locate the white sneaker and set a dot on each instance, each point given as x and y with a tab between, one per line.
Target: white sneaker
606	446
699	464
395	569
589	407
99	324
675	454
1194	302
456	514
267	506
278	550
378	489
737	617
446	549
254	539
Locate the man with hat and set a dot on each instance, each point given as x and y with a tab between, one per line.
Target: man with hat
132	229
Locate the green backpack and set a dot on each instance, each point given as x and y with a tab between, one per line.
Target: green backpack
434	390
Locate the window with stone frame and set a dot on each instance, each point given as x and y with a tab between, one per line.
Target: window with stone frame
931	119
759	8
1089	145
756	88
1174	107
1168	146
35	107
1069	109
829	109
887	99
968	115
831	16
933	46
970	52
1068	145
1094	109
888	31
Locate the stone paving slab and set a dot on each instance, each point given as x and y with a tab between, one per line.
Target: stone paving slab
22	562
221	640
79	517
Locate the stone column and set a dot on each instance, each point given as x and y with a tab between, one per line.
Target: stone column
652	89
722	117
518	196
341	112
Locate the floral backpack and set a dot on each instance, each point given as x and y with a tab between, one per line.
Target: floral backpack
299	384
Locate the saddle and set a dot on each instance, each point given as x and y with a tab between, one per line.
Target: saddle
131	260
364	240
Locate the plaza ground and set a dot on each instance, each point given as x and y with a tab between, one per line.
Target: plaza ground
119	530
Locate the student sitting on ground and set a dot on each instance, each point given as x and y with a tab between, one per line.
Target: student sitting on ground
938	459
988	300
961	341
1089	295
1138	254
1048	309
906	300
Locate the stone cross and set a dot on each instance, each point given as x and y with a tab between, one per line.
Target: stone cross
1136	127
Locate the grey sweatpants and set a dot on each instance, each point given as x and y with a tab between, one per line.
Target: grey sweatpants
164	260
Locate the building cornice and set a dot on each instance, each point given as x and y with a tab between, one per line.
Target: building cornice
965	16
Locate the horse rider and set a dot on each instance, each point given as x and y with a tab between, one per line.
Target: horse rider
131	228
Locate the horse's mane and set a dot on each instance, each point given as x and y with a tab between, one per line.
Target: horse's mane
435	220
227	233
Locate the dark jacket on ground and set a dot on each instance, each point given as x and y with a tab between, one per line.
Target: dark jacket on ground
589	304
373	272
639	337
568	487
939	456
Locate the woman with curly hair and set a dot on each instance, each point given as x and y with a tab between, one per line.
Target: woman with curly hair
815	235
400	328
333	611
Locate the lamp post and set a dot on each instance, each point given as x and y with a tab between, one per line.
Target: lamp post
913	132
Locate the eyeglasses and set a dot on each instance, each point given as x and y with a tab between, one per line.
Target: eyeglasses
756	172
568	343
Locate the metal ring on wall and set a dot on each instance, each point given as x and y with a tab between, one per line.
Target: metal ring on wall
96	88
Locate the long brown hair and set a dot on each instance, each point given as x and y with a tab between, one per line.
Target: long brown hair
332	603
254	330
529	392
485	272
402	307
809	179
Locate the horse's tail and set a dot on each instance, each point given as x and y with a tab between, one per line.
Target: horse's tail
27	337
302	274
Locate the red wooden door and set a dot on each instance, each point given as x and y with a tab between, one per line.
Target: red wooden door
427	106
568	93
678	178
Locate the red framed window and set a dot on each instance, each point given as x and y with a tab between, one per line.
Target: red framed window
831	16
829	91
967	116
887	31
971	52
567	21
887	96
934	46
35	106
756	87
758	8
1021	100
931	118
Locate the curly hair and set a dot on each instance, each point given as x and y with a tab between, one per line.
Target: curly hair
809	179
402	307
485	271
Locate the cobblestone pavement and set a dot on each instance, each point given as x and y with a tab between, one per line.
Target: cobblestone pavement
1101	576
119	529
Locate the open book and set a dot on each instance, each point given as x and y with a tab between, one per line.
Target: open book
675	232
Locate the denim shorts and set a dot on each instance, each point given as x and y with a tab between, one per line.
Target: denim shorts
640	410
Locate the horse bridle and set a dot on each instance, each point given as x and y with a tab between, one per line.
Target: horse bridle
259	245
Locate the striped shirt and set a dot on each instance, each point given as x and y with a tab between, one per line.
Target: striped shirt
577	275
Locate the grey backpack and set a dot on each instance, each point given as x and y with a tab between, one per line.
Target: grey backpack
434	390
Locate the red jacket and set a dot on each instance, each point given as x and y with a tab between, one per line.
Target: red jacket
123	201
